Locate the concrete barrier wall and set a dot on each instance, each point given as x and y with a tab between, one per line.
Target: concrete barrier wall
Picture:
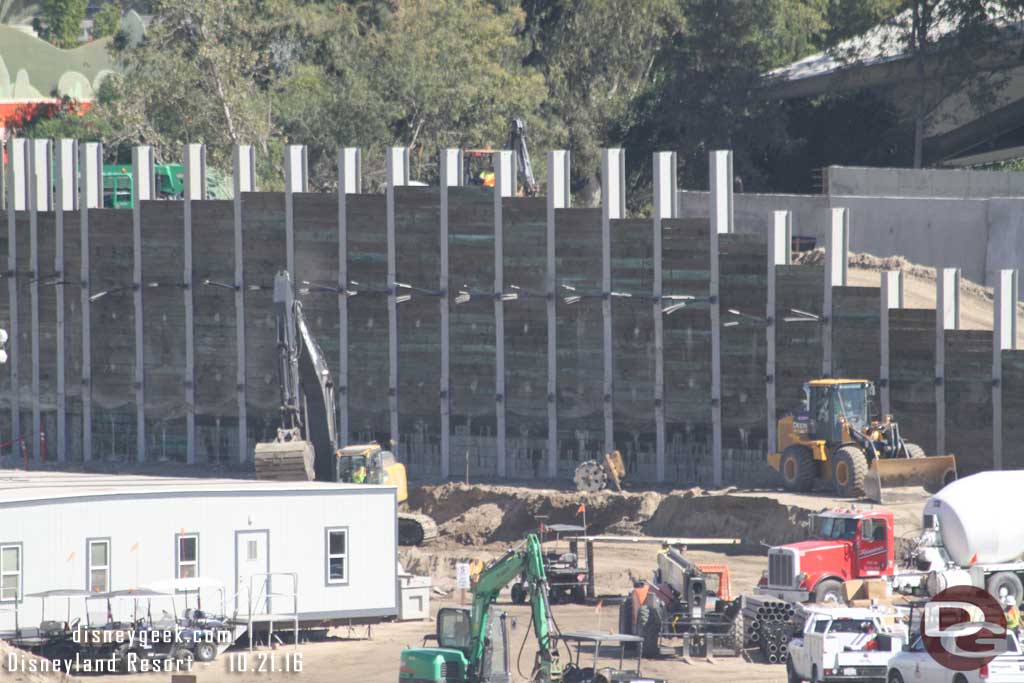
390	379
910	182
980	236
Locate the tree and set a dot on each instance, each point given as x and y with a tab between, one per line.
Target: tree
596	56
107	21
703	93
61	21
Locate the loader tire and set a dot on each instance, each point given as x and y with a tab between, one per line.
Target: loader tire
797	468
849	469
913	450
648	627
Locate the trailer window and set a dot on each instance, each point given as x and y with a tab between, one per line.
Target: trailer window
99	566
337	555
10	573
186	553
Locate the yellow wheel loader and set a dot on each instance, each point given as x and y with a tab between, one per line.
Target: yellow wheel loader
832	438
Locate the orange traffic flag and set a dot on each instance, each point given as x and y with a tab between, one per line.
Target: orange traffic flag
581	509
974	558
71	556
599	603
134	547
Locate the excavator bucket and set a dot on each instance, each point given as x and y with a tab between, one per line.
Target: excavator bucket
888	474
284	460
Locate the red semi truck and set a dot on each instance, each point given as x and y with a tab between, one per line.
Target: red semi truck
843	545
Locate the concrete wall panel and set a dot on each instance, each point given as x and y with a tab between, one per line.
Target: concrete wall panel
580	349
968	381
912	375
632	253
418	254
525	232
855	338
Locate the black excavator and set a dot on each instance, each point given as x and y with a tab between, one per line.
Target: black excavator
306	447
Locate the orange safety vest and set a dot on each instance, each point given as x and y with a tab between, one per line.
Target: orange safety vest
489	179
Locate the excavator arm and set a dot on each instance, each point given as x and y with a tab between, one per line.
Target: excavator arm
308	406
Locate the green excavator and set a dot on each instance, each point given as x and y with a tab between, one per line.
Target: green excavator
472	643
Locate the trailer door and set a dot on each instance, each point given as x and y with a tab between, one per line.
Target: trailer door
252	569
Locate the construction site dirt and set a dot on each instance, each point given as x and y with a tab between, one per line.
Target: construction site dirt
482	521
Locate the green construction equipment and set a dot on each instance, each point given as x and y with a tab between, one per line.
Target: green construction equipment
119	188
472	643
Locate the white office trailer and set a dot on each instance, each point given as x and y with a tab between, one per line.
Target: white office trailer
324	553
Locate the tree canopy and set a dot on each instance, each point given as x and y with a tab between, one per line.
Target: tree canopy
584	74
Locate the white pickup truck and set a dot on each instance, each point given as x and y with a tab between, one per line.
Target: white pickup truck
915	665
843	644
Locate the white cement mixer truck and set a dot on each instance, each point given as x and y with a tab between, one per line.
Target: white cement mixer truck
973	535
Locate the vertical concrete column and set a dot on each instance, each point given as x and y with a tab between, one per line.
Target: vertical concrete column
65	199
451	176
836	269
721	223
559	197
350	181
892	297
40	195
1004	336
90	184
613	206
244	172
780	240
504	186
397	174
666	205
143	179
195	189
947	317
296	179
17	200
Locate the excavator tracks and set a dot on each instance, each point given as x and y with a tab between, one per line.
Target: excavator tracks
415	529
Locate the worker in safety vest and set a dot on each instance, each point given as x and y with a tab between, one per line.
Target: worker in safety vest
487	178
359	476
1012	613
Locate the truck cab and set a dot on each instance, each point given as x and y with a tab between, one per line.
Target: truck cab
843	644
842	545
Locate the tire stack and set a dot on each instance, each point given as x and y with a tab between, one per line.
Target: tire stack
770	625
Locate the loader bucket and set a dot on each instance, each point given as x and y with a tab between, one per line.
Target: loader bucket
887	474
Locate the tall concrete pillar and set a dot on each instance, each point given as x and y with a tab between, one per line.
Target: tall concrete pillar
90	186
559	197
145	185
397	175
451	176
195	190
350	181
65	199
243	163
721	185
296	179
504	186
17	200
836	269
947	317
41	197
1004	337
613	207
666	205
892	297
780	242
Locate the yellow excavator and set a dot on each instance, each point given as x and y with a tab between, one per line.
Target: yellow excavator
833	438
306	446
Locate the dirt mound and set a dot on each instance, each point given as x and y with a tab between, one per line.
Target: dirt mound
753	519
481	514
478	514
873	263
25	660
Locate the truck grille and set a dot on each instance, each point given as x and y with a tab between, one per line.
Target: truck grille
780	569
